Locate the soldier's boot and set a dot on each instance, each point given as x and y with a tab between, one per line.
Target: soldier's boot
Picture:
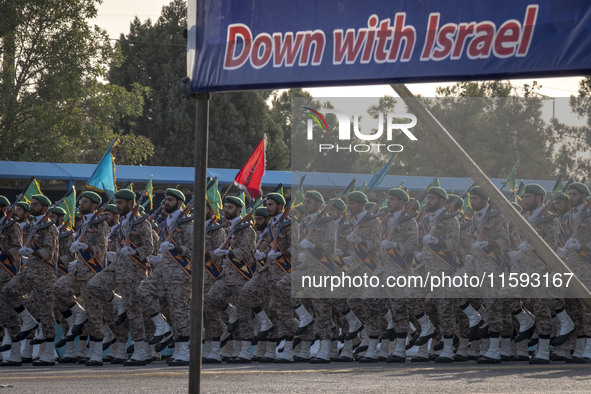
422	355
493	354
181	347
47	359
361	349
117	302
79	319
462	350
346	352
399	353
447	354
334	350
354	324
232	313
81	354
14	358
109	339
270	354
579	349
214	356
474	320
5	341
506	350
384	348
244	357
303	353
542	355
69	356
96	354
567	327
260	350
322	357
286	356
39	337
266	324
371	355
162	331
306	320
526	325
521	352
119	353
484	343
427	330
28	323
586	355
138	358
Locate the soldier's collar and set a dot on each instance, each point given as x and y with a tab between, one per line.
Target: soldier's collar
235	221
537	210
277	217
171	217
360	215
312	216
437	212
579	208
88	216
482	212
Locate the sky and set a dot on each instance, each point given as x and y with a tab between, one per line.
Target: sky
115	15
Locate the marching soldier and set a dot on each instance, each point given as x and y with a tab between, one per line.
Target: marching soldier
130	267
172	279
37	279
22	211
90	249
66	238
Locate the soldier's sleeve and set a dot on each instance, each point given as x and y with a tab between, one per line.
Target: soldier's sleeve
146	245
286	231
243	243
328	237
155	241
411	237
373	240
584	232
99	241
65	255
48	243
185	240
502	233
552	233
452	234
14	240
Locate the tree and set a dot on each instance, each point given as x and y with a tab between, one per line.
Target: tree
154	55
52	105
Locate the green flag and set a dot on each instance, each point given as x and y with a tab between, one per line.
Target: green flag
242	195
214	199
435	181
32	189
69	205
149	193
511	177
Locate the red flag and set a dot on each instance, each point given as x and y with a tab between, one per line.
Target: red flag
250	175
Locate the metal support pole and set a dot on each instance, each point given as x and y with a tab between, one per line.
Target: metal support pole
201	139
576	287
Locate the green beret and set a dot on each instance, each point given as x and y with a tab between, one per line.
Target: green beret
261	211
125	194
24	205
92	196
457	201
176	193
517	206
234	201
412	201
357	196
398	193
277	197
337	203
42	199
369	205
580	187
534	188
4	201
562	196
315	195
438	191
59	211
477	190
112	208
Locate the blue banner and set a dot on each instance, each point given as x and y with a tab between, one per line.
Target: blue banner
263	44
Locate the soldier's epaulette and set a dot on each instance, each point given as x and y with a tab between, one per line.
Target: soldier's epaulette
187	219
546	218
64	234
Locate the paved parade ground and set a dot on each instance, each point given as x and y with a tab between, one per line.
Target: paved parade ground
302	378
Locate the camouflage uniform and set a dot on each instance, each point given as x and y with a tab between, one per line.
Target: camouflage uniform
126	273
11	241
213	240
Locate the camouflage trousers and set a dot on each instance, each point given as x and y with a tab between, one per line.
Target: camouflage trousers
8	317
65	289
216	300
177	295
402	309
36	281
370	311
101	286
446	316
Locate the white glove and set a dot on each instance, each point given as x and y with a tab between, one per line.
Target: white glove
307	244
479	244
418	256
514	255
111	256
429	239
468	259
561	252
348	260
525	247
388	245
155	259
572	243
76	246
259	255
221	252
127	251
72	266
25	251
353	238
273	255
338	252
166	246
82	246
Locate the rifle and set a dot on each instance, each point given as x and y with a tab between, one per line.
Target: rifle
537	219
407	213
96	218
44	222
446	212
282	222
175	223
8	221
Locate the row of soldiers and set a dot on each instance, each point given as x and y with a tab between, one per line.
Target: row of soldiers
119	273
